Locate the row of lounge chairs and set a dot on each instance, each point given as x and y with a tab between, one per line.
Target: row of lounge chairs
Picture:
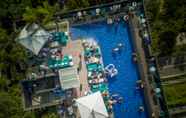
96	76
66	61
56	59
60	37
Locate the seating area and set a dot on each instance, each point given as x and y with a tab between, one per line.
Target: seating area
65	61
96	76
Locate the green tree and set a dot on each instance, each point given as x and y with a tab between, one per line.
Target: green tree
167	20
77	4
11	12
169	40
11	56
9	106
41	14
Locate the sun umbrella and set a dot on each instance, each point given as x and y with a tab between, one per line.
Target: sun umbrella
152	69
33	38
92	106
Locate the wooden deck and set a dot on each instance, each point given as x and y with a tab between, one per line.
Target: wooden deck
75	48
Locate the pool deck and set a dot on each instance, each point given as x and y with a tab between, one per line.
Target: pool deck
75	48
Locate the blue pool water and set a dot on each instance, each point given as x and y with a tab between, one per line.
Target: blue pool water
108	36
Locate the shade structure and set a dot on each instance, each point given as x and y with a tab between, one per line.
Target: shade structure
69	78
33	37
152	69
92	106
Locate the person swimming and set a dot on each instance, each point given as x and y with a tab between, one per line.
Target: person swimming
141	109
120	45
116	49
139	81
134	57
120	100
116	97
140	86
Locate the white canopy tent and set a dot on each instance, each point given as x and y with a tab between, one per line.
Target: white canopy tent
33	37
92	106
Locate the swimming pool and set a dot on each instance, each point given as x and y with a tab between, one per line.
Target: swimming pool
108	36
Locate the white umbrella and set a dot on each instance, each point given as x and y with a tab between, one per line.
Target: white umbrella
79	14
158	90
98	11
33	38
92	106
152	69
145	35
143	20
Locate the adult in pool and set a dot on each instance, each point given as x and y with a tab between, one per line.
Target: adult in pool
116	97
141	109
120	46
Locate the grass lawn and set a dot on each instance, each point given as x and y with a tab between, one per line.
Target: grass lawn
175	94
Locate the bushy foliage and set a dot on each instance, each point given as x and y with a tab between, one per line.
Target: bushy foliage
175	95
167	20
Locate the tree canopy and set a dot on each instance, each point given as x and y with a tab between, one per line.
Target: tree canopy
167	20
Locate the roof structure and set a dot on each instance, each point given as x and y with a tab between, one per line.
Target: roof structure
69	78
33	37
42	92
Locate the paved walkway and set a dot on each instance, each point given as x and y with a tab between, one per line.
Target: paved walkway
75	49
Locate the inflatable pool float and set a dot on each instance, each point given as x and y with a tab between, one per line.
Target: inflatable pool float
111	70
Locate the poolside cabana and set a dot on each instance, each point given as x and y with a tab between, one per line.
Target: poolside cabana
33	37
69	78
92	106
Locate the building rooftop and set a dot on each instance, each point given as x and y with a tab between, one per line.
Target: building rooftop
69	78
43	92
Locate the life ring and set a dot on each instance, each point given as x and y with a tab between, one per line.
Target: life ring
126	17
